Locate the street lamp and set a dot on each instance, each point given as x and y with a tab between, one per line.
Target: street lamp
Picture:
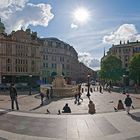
30	90
88	85
3	79
124	83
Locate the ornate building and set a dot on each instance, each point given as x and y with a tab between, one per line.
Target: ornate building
26	58
19	56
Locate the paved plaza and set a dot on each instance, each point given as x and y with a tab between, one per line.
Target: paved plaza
104	102
104	126
32	122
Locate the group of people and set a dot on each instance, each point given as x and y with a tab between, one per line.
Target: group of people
127	102
66	108
48	95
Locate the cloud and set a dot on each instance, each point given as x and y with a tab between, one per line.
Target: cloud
124	32
88	60
16	14
74	26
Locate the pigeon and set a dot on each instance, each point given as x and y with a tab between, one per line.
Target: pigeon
59	112
133	107
115	109
48	112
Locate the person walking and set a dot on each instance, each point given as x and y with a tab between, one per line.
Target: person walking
79	96
128	102
13	96
76	98
100	89
42	97
47	94
91	107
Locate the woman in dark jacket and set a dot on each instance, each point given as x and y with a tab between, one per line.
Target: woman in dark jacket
128	102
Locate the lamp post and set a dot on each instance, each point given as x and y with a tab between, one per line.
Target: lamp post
30	90
3	79
88	85
124	83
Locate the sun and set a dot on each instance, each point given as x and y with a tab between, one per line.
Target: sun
81	15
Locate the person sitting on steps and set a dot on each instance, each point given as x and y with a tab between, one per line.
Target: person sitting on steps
66	109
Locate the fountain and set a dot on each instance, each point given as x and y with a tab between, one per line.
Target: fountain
60	87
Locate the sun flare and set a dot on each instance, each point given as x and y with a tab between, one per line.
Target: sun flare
81	15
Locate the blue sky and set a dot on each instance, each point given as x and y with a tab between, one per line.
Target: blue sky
109	22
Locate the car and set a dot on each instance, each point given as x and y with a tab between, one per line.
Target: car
93	83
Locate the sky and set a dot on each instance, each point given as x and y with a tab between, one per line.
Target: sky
108	22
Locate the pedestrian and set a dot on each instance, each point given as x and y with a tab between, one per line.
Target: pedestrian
66	109
128	102
100	89
13	96
120	105
79	96
136	88
109	89
91	107
76	98
42	97
97	88
51	92
47	94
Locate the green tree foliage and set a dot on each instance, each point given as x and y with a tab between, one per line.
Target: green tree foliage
111	68
134	68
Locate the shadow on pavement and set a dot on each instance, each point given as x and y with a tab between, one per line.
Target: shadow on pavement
5	111
135	116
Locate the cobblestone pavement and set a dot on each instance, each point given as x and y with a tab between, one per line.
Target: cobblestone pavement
104	102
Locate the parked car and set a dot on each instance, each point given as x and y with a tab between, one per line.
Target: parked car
93	83
4	87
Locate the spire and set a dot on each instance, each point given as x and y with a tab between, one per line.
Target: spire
104	51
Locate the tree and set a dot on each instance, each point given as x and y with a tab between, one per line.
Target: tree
111	68
134	68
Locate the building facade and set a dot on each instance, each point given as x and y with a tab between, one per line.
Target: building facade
125	52
60	58
19	56
26	58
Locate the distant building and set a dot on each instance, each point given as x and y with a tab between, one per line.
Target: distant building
57	53
124	52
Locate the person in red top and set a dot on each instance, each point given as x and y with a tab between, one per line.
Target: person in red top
120	105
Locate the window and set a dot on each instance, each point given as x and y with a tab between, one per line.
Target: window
8	60
46	65
8	68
